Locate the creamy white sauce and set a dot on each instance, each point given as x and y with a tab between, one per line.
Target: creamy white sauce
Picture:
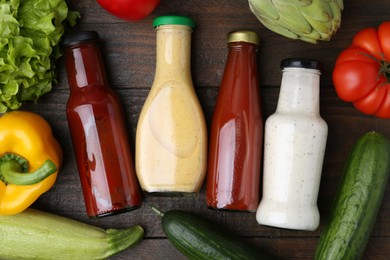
294	148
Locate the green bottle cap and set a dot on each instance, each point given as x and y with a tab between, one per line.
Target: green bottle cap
173	19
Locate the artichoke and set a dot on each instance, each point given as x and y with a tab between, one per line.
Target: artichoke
306	20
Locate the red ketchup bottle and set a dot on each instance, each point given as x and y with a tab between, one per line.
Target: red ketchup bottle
97	126
233	176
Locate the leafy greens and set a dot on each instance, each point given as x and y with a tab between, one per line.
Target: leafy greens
30	31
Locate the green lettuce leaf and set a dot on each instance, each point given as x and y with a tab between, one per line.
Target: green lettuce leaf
30	32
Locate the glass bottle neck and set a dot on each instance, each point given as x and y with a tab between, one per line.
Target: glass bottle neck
240	74
242	53
241	56
173	52
84	66
299	91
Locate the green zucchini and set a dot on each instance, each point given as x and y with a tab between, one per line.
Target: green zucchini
198	238
358	199
35	234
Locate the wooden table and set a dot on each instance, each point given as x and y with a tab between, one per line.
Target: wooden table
129	52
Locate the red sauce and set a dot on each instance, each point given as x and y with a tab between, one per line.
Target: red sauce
97	127
233	176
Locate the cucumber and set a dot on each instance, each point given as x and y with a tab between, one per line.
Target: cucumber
35	234
358	199
199	238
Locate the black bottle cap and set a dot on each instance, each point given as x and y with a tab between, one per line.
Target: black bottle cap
301	63
75	38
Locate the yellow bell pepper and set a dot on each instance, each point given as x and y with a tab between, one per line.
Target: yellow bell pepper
30	158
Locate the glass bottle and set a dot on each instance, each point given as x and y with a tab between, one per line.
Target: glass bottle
235	145
98	132
294	148
171	140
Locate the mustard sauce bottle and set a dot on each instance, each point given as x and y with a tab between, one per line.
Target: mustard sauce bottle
171	139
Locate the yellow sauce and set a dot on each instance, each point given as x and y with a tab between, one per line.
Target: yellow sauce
171	140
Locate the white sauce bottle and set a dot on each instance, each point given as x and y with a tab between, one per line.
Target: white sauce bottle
294	148
171	139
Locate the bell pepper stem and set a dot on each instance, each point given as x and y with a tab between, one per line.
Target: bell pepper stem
13	170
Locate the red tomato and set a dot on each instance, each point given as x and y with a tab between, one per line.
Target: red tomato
130	10
362	71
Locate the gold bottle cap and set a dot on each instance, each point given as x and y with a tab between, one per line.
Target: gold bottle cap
244	36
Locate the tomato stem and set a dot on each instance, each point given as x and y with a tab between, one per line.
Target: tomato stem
386	72
384	65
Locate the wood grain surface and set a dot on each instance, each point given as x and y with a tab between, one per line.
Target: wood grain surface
129	53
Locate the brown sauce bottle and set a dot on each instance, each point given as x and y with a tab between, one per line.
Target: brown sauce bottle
96	121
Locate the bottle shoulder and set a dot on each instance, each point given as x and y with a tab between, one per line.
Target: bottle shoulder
91	91
291	118
94	96
173	101
172	91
